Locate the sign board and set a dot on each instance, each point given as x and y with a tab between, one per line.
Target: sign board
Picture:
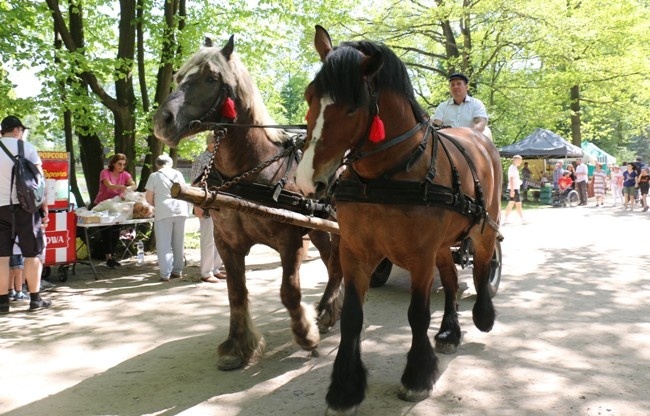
56	166
61	238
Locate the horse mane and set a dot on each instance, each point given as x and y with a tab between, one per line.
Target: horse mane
235	74
340	75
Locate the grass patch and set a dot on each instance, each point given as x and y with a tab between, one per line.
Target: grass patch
193	239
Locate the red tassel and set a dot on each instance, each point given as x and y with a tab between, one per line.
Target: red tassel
228	109
377	132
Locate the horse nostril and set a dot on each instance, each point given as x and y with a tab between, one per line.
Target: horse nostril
168	117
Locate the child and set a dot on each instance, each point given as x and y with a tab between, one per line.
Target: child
16	278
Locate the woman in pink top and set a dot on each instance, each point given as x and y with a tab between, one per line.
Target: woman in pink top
113	181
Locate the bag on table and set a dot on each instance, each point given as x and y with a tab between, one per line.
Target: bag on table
142	210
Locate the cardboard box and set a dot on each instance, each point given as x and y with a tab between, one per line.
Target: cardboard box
89	219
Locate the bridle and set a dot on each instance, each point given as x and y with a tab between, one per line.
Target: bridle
356	153
220	129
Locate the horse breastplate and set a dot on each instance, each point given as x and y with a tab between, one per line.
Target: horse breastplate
407	193
424	192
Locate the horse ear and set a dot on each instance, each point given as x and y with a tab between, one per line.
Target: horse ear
207	42
322	42
370	65
229	48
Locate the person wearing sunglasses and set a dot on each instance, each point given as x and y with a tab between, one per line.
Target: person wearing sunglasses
113	181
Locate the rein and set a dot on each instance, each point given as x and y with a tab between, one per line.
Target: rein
270	195
196	124
354	156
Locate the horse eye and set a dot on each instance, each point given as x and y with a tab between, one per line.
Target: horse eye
213	78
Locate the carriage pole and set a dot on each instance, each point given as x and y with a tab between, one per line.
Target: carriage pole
214	200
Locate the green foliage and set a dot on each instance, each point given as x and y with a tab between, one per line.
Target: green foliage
522	57
295	107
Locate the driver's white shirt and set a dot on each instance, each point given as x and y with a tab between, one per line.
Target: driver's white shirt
460	115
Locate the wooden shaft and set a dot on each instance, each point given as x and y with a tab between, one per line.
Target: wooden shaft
198	196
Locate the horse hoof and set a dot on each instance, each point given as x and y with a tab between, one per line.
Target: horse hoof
348	412
229	362
409	395
446	348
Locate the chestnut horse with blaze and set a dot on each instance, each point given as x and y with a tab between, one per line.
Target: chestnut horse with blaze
215	89
409	193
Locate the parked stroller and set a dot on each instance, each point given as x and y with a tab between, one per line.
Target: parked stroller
568	197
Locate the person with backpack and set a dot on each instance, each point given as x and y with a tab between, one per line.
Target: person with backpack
16	216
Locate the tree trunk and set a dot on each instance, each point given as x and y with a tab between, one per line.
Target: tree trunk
91	150
164	77
576	134
67	132
124	108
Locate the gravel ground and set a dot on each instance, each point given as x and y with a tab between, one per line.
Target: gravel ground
572	336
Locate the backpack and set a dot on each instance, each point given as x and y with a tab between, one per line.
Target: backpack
28	179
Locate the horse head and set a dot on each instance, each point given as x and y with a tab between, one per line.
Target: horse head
344	104
213	86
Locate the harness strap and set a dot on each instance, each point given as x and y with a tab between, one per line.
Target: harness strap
478	190
386	191
266	195
431	173
383	146
12	208
380	191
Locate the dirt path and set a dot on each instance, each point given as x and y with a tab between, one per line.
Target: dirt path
572	336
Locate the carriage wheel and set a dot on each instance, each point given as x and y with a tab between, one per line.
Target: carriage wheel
495	270
381	273
63	273
573	198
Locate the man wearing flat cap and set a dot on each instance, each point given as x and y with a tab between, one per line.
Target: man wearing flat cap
27	226
461	110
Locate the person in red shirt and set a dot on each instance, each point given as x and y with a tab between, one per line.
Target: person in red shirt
565	182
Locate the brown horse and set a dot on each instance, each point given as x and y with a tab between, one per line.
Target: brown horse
409	193
213	86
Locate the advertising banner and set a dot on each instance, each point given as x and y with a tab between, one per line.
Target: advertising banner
61	238
56	166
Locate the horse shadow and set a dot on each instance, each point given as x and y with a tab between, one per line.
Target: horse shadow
169	379
181	375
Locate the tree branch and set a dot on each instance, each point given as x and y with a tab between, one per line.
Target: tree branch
71	46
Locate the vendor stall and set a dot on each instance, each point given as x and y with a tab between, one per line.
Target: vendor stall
130	213
91	228
61	230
